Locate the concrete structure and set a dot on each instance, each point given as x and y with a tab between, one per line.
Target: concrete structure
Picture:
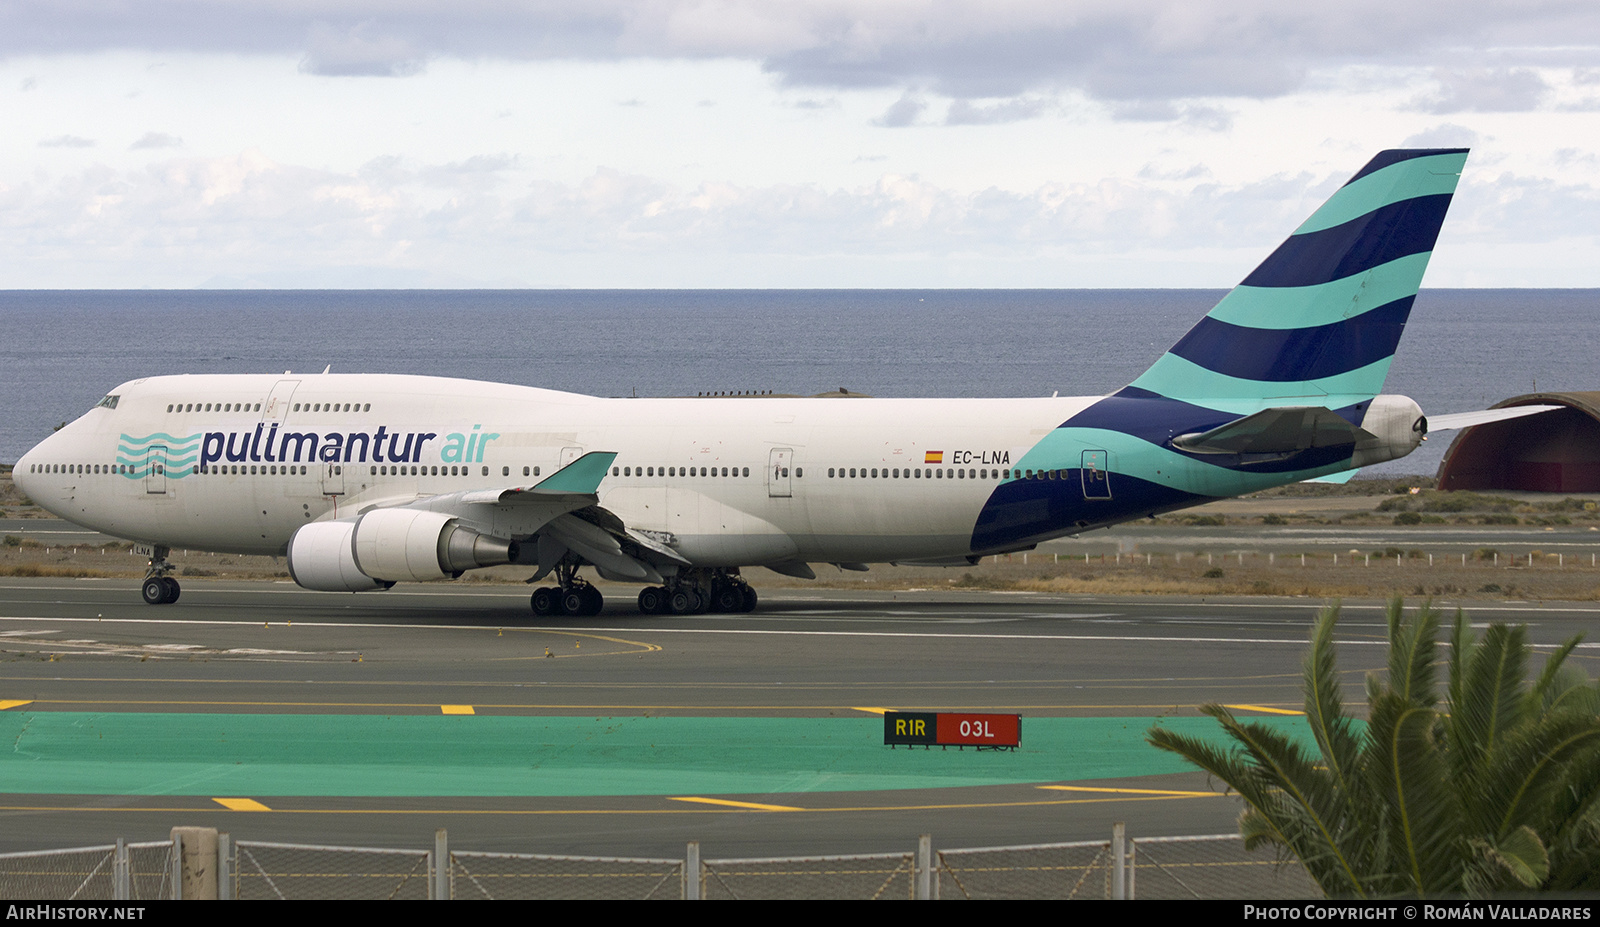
1552	452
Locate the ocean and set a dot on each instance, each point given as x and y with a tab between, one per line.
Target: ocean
1463	349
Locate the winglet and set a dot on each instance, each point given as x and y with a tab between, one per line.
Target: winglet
582	475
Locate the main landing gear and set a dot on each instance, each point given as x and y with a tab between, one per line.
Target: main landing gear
160	588
573	597
692	592
696	592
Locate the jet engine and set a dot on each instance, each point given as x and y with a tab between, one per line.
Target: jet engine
386	546
1396	426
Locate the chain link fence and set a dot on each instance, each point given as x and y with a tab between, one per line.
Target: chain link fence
1060	871
1213	867
530	877
262	871
873	877
1219	866
118	871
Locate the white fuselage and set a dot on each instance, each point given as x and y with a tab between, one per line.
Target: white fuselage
239	463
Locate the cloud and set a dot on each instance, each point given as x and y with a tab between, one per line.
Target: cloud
1192	172
902	112
1112	50
1484	90
361	50
156	140
1444	135
66	141
177	221
967	113
1208	118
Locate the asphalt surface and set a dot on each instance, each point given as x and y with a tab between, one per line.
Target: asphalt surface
92	650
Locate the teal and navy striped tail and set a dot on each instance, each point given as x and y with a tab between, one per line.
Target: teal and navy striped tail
1318	322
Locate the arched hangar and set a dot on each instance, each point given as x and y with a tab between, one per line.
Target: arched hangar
1556	451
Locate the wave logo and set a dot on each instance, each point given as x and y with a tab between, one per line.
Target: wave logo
176	455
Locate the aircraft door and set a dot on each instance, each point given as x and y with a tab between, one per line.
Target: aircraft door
1096	476
779	483
569	454
155	469
276	408
333	479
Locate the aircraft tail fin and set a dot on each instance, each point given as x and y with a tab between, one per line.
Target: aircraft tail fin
1318	322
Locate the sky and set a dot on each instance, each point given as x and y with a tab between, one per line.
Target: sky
761	143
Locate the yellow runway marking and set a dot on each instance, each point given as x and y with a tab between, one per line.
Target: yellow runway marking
1163	792
568	812
577	645
241	804
1263	708
748	805
12	703
873	711
456	710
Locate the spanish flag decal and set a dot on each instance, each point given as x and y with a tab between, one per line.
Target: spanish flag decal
929	457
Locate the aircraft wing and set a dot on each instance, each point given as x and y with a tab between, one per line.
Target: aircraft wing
562	514
1468	419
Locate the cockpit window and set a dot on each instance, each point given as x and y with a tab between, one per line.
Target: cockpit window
110	402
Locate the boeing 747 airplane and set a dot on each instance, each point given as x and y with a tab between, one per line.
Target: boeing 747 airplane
366	480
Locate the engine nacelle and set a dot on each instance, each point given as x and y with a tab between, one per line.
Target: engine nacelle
386	546
419	545
1397	426
321	557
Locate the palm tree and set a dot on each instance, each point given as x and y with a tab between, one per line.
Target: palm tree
1496	790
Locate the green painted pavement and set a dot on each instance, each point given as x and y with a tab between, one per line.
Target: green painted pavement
348	755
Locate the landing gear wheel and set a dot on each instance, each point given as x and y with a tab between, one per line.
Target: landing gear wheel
593	601
155	591
173	590
652	600
727	598
546	602
680	602
749	600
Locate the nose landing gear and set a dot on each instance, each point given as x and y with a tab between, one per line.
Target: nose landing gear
159	588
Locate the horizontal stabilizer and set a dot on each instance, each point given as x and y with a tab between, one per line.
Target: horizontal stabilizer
1280	430
1468	419
1344	477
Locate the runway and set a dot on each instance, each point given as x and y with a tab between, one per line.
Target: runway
280	714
